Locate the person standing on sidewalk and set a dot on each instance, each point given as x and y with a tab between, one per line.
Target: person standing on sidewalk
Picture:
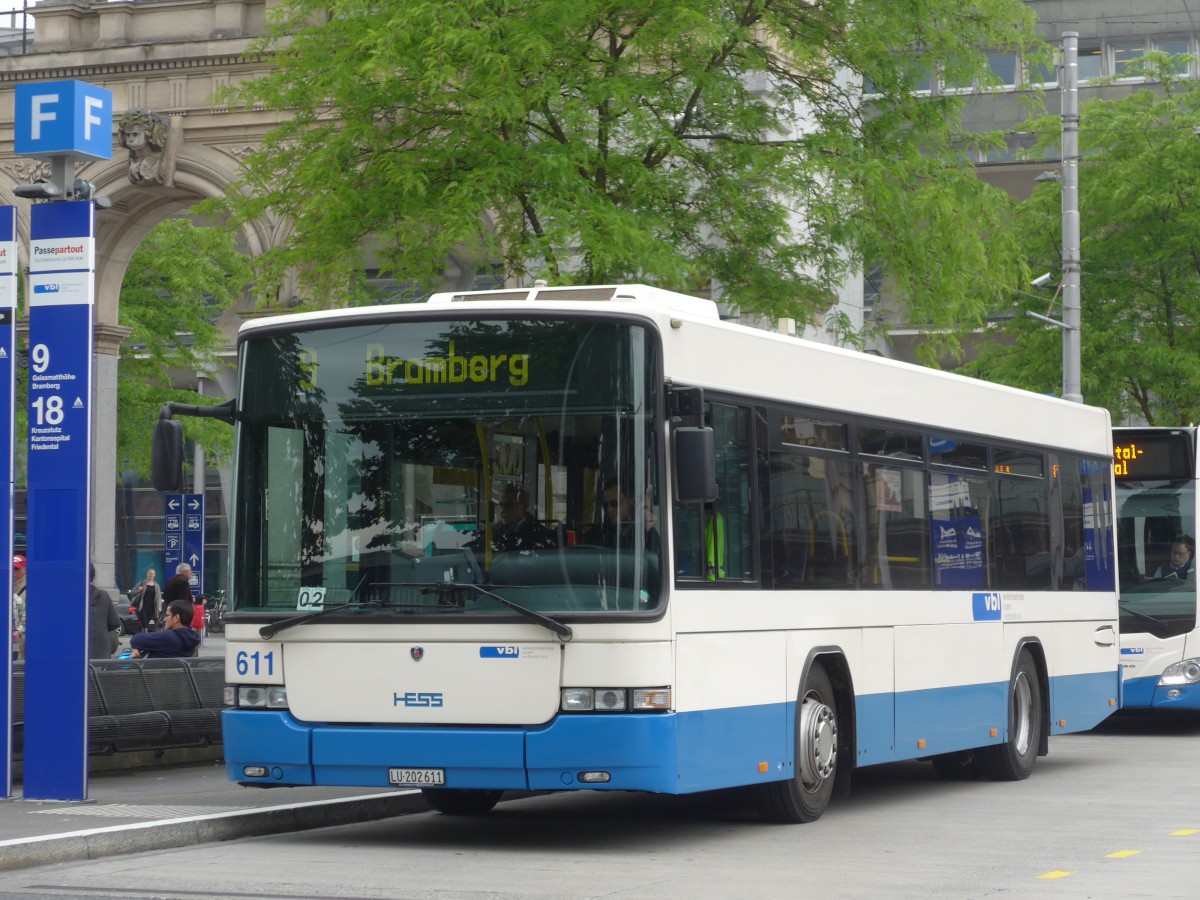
18	607
104	625
146	598
199	616
179	587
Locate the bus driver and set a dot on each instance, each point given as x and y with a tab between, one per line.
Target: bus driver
1183	560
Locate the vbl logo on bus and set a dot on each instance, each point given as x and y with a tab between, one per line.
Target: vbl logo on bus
986	606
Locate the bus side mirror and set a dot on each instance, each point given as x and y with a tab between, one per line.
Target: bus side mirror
166	456
695	465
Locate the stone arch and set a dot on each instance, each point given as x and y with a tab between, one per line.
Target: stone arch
201	173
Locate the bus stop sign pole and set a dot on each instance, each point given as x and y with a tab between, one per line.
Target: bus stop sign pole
59	500
8	404
63	121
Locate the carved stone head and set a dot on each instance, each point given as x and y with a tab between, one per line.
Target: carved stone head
144	134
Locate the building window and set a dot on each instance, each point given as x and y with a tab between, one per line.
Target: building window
385	290
919	76
1124	53
872	290
1091	63
1176	47
956	86
1041	74
1004	67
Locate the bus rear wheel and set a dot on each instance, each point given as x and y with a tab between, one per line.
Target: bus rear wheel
805	796
1013	760
460	802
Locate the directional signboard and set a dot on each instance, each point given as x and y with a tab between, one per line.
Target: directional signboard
183	536
62	290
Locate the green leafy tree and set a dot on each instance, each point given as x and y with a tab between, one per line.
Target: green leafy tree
1139	205
674	141
180	279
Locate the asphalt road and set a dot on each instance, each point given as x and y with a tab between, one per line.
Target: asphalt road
1111	814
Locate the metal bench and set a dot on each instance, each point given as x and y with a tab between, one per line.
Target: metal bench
151	704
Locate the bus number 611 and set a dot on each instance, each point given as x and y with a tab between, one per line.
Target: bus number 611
255	663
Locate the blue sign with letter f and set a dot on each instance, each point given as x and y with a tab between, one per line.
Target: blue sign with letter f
63	118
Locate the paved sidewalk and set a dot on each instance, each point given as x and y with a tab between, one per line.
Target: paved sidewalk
130	812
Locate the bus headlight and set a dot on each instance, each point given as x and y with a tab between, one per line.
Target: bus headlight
1186	671
599	699
578	699
261	696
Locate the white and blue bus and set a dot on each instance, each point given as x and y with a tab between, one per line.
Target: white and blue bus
598	538
1155	470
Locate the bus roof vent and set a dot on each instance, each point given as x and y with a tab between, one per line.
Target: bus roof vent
636	293
536	293
507	296
576	293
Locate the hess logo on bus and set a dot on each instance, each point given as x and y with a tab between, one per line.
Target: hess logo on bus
420	699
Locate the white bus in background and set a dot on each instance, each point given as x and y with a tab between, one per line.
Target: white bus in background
748	560
1155	471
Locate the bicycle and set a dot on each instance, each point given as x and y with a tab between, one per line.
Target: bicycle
216	613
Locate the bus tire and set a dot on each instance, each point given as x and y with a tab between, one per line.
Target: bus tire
1013	760
805	796
461	802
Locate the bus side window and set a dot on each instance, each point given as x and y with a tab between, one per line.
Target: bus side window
715	541
897	527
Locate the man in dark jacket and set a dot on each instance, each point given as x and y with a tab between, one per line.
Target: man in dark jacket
518	529
177	639
102	619
180	585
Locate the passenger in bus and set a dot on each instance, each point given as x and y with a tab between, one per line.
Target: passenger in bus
617	528
714	544
1183	560
517	528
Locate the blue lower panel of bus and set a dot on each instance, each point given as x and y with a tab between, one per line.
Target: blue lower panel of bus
891	728
639	752
1144	693
1082	701
671	753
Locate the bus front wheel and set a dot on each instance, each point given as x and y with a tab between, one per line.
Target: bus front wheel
804	797
460	802
1013	760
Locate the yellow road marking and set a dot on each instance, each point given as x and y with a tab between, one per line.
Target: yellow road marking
1122	854
1184	832
1056	875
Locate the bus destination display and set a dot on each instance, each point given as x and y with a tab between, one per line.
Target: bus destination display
1152	456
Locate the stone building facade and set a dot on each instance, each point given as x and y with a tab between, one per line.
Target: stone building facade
171	57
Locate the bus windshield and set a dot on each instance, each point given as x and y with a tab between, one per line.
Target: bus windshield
1156	596
381	464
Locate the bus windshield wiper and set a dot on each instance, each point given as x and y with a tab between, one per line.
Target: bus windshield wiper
269	631
446	588
1125	608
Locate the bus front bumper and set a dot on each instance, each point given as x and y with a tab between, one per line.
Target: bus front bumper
638	752
1147	693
